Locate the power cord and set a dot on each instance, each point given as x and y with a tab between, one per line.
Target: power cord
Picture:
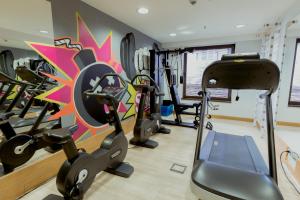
291	182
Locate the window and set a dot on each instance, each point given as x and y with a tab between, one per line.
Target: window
194	66
295	83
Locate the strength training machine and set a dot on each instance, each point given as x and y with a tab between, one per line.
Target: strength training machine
158	67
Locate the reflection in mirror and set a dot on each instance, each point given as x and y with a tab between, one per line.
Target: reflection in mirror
22	79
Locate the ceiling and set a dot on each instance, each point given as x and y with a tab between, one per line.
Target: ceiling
207	19
21	22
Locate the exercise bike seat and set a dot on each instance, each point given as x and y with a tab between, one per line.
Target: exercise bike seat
59	136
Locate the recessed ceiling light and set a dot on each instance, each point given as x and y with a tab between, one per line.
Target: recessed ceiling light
181	28
143	11
240	26
45	32
172	34
187	32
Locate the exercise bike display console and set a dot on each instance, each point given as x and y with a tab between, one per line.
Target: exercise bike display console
80	169
145	127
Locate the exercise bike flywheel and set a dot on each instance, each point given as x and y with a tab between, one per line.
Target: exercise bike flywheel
76	176
17	150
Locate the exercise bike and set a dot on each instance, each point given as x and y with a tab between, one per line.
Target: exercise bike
80	169
145	127
18	148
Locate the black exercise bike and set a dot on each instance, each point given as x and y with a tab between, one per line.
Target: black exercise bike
145	127
80	169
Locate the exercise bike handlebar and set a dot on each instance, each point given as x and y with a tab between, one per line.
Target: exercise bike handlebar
157	92
124	83
145	75
109	95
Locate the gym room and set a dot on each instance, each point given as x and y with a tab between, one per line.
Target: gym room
149	99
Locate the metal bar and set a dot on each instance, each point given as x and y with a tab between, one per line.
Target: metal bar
7	93
153	70
201	126
27	106
17	98
115	116
7	130
70	150
140	114
271	139
40	118
3	84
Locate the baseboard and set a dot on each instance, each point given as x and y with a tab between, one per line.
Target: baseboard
293	124
243	119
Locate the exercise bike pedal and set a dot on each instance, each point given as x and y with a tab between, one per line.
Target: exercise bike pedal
124	170
164	130
148	144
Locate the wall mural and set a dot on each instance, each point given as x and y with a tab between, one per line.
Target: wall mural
82	63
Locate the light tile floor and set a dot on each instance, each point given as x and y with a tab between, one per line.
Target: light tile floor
153	180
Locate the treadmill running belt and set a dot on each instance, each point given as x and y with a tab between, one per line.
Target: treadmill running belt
235	151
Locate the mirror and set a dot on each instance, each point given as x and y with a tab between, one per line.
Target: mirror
20	22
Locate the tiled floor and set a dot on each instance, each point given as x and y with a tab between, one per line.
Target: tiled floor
153	180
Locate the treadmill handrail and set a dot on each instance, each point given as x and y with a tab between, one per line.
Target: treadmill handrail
258	74
34	74
201	127
15	81
209	74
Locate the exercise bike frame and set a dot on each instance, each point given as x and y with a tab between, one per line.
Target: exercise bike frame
80	169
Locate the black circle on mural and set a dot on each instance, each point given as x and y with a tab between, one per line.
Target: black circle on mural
89	109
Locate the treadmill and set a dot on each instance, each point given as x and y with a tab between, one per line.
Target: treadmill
228	166
6	67
7	80
20	120
30	76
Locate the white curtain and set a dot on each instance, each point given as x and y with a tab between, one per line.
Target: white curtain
272	47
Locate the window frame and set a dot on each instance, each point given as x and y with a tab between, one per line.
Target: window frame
294	103
217	99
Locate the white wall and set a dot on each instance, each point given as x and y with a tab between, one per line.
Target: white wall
245	107
286	113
